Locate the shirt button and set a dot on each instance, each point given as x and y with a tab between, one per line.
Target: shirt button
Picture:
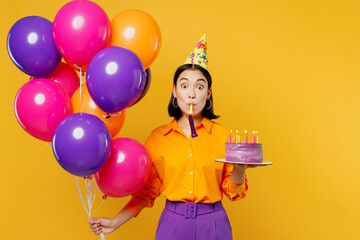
190	173
190	154
190	192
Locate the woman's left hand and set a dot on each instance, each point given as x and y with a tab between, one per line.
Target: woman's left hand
238	174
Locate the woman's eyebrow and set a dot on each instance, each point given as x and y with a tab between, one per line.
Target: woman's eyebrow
200	79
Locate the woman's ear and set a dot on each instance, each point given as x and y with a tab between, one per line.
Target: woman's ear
173	91
209	93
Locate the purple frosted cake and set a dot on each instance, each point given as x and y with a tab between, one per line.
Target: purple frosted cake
243	152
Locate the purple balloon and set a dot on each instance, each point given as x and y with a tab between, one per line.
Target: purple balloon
31	46
115	78
81	144
146	87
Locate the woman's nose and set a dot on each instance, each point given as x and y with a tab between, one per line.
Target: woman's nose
192	94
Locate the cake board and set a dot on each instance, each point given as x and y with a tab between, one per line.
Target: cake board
233	162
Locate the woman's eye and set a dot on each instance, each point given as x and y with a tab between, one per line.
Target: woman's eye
183	86
200	87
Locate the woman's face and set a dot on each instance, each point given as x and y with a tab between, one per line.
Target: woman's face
191	89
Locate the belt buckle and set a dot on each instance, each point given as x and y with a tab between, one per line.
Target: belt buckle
190	210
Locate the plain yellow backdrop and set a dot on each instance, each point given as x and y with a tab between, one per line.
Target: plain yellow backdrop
289	69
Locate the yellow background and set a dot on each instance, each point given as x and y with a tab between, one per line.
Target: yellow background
289	69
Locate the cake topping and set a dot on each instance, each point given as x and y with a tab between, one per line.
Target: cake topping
236	138
256	136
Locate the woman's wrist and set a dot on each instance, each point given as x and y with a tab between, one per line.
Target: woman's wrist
115	222
122	217
238	174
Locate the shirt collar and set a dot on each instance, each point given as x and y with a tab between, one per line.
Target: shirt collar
173	125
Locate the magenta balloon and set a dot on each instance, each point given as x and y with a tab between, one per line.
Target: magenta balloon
81	144
126	170
40	105
67	78
115	78
81	28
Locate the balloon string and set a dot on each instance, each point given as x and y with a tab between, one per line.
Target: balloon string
99	206
91	197
102	236
88	192
79	192
89	186
80	78
92	202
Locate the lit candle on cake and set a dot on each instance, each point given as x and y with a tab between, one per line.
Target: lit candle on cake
254	133
230	135
246	136
191	121
237	137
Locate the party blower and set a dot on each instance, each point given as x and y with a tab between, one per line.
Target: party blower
191	121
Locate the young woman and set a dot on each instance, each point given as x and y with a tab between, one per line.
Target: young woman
183	168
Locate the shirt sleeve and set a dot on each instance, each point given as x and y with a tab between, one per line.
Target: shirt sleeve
147	194
231	190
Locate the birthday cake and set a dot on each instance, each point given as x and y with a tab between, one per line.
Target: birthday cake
244	152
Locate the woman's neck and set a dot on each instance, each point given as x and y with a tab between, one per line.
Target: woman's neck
184	121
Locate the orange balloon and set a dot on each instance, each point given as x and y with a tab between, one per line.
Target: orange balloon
114	122
138	31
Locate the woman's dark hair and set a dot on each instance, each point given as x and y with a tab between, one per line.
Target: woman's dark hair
176	112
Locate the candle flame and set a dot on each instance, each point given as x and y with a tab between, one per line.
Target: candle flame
237	137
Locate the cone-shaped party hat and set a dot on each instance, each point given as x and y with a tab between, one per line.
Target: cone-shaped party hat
198	55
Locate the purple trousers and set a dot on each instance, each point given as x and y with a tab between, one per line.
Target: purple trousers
193	221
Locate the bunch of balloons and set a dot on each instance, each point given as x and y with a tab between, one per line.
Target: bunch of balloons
82	119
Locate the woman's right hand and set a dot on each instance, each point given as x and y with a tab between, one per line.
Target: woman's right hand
102	225
108	225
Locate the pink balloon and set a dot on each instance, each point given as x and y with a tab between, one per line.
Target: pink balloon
126	170
40	105
81	28
66	76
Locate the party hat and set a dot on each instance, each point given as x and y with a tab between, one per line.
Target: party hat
198	55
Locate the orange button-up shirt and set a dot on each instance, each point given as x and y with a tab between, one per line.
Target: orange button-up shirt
185	169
